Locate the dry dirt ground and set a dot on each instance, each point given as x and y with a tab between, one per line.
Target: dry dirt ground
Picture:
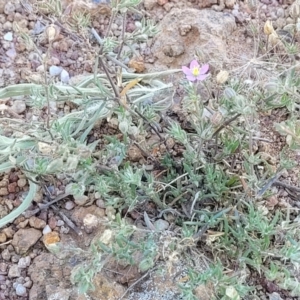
224	37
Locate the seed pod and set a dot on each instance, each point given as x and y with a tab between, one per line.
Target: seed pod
222	77
229	93
295	10
268	28
52	33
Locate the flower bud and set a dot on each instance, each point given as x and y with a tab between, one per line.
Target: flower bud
268	28
52	32
229	93
222	77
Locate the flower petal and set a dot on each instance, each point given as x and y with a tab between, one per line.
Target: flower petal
204	69
191	77
201	77
186	70
194	64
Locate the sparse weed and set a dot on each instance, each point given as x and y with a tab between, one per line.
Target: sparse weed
215	186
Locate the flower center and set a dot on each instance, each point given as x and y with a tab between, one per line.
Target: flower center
195	71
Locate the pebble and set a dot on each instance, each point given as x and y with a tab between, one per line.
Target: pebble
55	71
20	290
2	237
64	76
40	69
3	191
47	229
149	4
100	203
24	262
37	223
7	26
52	223
28	284
14	271
3	267
68	206
81	200
15	258
8	36
280	12
6	255
162	2
19	107
9	8
60	223
161	225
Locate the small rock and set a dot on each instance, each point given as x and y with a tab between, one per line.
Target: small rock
3	191
12	187
170	143
137	63
52	222
274	296
184	29
64	76
11	53
3	267
8	36
24	262
14	271
2	237
173	50
100	203
55	292
24	239
19	107
230	3
9	8
60	223
47	229
168	6
162	2
20	290
55	71
28	284
37	223
81	200
149	4
280	12
69	205
51	238
38	196
7	26
79	213
6	255
40	69
15	258
23	224
161	225
134	153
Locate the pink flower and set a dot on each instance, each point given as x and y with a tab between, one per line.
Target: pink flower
195	72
